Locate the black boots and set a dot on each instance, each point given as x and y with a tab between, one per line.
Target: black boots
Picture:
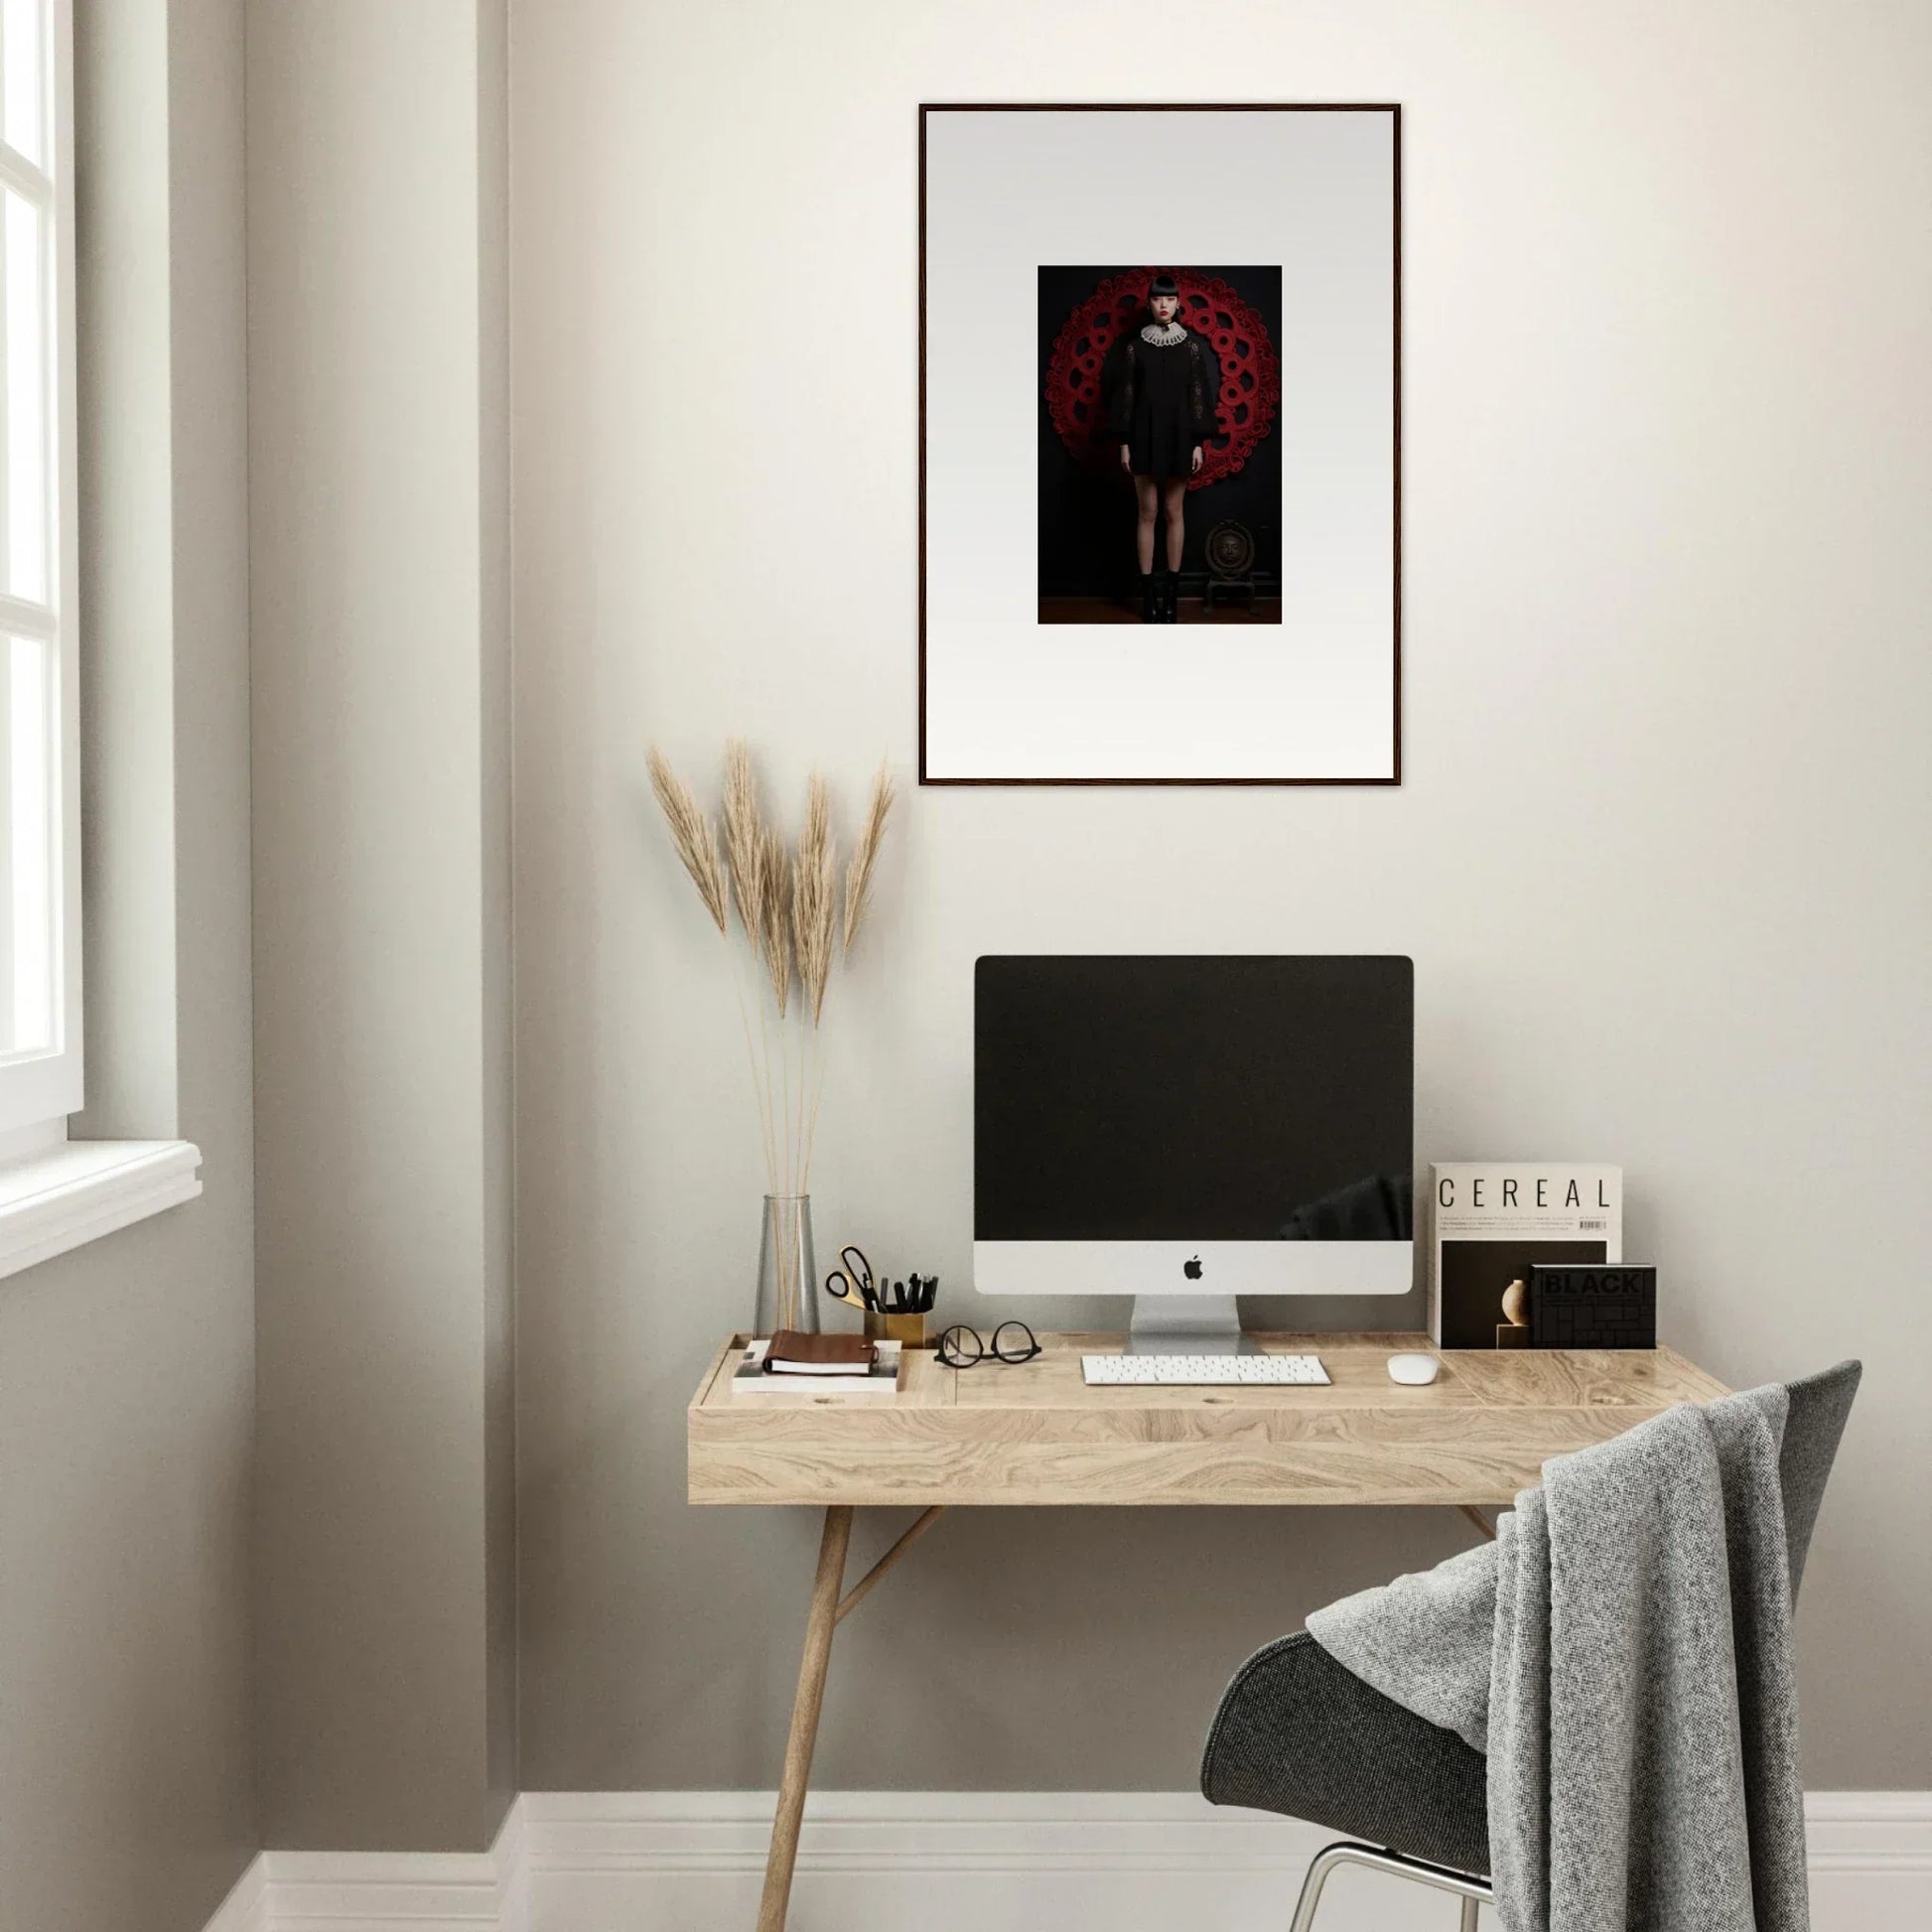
1160	592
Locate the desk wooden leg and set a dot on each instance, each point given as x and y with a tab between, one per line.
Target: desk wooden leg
1478	1519
824	1614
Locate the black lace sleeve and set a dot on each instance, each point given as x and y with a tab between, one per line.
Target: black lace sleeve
1204	393
1122	379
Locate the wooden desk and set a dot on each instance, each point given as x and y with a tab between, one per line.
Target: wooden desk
1034	1434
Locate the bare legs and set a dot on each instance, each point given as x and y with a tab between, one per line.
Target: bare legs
1147	498
1173	491
1153	496
1150	498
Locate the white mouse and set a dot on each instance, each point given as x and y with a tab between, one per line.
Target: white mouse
1414	1369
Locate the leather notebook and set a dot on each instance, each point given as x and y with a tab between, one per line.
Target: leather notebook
793	1353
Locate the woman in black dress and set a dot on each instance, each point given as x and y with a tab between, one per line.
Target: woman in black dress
1160	406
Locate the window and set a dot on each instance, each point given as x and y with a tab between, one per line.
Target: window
55	1192
39	831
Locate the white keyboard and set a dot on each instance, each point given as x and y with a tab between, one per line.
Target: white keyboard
1203	1371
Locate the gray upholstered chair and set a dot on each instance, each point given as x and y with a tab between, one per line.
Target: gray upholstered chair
1298	1733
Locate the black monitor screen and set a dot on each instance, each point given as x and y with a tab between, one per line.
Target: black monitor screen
1227	1098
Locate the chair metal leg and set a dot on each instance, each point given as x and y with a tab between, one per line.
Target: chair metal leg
1471	1890
1324	1863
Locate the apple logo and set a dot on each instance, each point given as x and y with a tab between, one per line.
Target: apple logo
1192	1269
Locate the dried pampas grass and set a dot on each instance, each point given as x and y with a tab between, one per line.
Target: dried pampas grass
744	837
775	917
814	898
858	874
788	904
693	835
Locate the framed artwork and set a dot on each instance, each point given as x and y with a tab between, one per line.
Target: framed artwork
1160	476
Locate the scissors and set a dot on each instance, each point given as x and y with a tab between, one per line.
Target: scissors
852	1280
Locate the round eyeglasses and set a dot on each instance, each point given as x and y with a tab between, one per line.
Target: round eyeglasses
962	1347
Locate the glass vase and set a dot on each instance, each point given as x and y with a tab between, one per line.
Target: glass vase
787	1271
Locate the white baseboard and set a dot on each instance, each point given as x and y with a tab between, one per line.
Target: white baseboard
245	1909
953	1862
1871	1858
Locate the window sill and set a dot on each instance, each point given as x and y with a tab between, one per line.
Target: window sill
78	1190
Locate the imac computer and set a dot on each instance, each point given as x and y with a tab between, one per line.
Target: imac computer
1190	1129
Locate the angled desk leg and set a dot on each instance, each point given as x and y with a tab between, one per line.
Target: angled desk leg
819	1622
828	1610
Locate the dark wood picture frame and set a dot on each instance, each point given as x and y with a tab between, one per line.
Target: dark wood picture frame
1394	110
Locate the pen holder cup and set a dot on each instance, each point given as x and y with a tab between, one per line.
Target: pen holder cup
909	1330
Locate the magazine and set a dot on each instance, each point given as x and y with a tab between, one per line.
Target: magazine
1489	1220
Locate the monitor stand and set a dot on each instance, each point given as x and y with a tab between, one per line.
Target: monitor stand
1186	1324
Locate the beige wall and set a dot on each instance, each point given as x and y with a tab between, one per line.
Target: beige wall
1660	855
378	554
126	1375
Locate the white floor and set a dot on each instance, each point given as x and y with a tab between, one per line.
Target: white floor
955	1861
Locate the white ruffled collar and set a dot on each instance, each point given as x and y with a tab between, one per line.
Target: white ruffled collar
1172	336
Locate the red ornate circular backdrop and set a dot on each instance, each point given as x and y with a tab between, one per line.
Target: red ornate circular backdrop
1251	374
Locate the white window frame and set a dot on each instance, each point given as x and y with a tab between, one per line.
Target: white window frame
55	1192
40	1089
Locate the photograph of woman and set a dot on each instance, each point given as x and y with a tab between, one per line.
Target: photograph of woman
1160	463
1160	391
1178	439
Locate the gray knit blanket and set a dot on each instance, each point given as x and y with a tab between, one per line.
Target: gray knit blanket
1622	1652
